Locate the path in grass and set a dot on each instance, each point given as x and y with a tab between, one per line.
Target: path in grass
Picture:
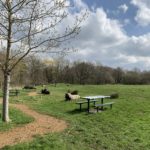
43	124
32	94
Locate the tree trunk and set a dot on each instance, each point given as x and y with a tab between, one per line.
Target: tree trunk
5	111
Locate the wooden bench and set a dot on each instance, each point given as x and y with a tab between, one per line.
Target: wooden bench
14	92
97	106
83	102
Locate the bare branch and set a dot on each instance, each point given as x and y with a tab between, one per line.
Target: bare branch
3	26
1	14
26	28
30	26
2	33
40	31
19	5
3	4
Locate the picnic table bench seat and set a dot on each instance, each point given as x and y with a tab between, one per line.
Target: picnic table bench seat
83	102
97	106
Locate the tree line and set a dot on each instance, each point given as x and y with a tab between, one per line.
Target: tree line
34	71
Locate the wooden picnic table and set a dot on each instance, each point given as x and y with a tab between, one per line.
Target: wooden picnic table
89	98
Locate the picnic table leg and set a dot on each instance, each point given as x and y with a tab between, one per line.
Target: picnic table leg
88	105
80	107
16	92
102	101
110	106
97	109
94	103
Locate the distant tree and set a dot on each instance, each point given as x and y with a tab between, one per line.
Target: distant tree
83	72
132	77
145	77
35	70
19	74
118	75
67	74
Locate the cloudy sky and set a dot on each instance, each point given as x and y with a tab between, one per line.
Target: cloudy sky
116	33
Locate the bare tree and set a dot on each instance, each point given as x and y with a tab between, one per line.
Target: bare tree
31	26
83	72
35	70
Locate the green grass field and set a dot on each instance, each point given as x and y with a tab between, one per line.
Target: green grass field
125	127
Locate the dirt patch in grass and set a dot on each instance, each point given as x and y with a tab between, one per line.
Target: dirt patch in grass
43	124
32	94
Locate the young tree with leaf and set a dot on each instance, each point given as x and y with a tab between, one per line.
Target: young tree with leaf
32	26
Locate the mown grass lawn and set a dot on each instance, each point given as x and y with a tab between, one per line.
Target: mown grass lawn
125	127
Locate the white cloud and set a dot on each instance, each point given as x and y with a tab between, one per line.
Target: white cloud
80	4
101	30
103	40
123	8
143	13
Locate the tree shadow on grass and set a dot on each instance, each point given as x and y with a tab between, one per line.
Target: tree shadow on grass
77	111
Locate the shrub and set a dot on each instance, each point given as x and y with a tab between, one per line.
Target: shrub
114	95
45	91
75	92
29	87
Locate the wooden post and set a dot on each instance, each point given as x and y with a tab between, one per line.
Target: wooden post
102	101
88	105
